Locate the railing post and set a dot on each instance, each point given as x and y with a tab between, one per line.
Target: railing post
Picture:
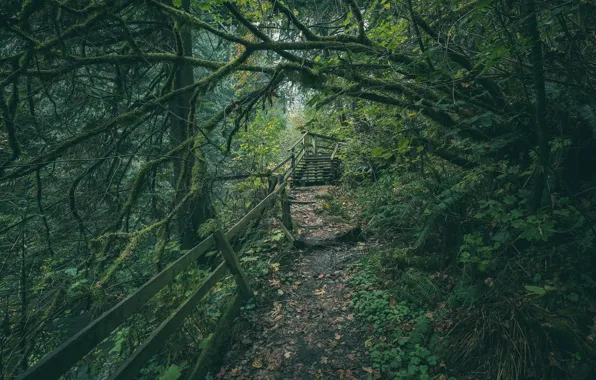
286	216
314	145
304	144
228	253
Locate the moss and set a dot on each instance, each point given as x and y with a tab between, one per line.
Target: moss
163	235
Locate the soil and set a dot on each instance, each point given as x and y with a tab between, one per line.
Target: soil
306	330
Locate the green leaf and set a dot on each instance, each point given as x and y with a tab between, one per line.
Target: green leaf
172	373
177	3
377	152
483	4
535	289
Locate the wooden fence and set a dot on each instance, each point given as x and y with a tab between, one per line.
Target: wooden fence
59	361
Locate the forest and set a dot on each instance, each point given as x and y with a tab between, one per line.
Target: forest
465	130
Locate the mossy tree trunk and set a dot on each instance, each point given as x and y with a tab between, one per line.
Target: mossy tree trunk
198	208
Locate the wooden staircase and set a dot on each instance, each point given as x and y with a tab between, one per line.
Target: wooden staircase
315	170
316	161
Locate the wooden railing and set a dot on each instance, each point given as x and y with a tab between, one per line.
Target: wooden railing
312	144
59	361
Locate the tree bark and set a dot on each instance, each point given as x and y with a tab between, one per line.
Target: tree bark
197	209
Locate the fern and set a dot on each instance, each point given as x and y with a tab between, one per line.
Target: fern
420	286
587	114
447	200
418	336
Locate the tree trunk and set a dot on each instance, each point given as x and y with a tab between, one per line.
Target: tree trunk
540	178
197	209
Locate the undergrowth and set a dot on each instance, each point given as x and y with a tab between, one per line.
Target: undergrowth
405	343
512	291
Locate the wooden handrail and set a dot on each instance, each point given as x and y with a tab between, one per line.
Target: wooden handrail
298	141
131	367
281	164
57	362
324	137
257	175
334	151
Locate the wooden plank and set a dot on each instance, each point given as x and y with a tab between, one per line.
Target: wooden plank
241	176
287	233
298	141
324	137
286	216
228	253
131	367
242	223
334	151
57	362
281	164
297	161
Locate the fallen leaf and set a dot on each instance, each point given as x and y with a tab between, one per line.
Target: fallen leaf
324	360
368	370
287	355
319	292
234	371
350	317
274	283
337	336
275	266
257	363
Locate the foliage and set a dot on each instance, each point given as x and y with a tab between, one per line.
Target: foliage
400	347
469	147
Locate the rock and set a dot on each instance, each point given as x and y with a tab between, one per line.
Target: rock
352	235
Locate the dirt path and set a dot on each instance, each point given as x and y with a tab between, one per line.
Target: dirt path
308	331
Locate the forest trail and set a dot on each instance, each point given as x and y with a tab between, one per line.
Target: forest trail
306	330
